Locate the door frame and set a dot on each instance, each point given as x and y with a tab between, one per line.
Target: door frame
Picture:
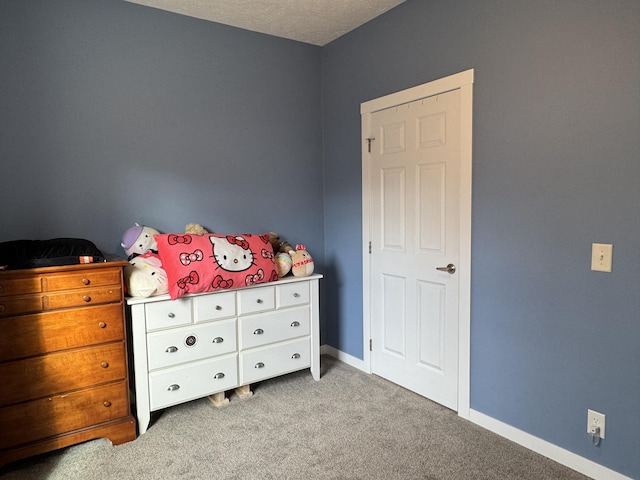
464	82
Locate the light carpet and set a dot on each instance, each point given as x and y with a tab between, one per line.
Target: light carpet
348	425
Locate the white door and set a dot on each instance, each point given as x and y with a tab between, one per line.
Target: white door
415	247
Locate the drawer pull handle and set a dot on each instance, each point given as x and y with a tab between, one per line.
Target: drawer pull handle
295	356
259	365
259	300
258	331
86	281
86	298
102	325
295	324
218	340
218	307
104	364
296	295
173	388
218	376
2	308
171	315
106	403
171	349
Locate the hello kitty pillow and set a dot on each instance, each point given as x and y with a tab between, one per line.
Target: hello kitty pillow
204	263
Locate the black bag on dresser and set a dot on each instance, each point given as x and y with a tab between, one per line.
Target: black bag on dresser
18	254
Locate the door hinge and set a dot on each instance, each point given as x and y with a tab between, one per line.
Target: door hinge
369	247
369	140
371	345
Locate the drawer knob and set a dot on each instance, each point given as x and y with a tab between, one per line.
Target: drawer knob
295	356
295	324
104	364
102	325
259	300
296	295
259	365
258	331
171	315
218	340
218	307
173	388
218	376
86	281
171	349
86	298
106	403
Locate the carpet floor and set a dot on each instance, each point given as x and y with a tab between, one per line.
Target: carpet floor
348	425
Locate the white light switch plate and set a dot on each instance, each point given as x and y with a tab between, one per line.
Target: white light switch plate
601	257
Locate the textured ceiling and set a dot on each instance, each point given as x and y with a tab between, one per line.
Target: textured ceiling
310	21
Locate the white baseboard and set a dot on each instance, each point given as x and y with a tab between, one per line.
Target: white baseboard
343	357
544	448
547	449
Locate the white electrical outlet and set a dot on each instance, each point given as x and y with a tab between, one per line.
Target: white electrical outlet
601	257
595	419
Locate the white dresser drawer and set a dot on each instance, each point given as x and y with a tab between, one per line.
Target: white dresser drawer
255	300
265	328
193	342
214	307
176	385
292	294
168	313
267	362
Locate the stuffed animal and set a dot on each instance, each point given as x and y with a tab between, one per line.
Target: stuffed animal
138	240
283	264
301	262
195	229
285	247
145	277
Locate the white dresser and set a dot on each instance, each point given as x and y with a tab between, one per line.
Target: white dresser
208	343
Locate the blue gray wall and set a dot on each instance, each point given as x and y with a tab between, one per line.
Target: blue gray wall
114	113
556	161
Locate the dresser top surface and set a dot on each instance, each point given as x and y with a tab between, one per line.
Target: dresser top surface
30	272
281	281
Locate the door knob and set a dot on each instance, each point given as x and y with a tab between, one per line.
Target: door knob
450	269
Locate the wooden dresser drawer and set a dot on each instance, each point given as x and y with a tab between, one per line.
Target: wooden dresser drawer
20	304
57	414
88	278
59	372
19	286
76	298
30	335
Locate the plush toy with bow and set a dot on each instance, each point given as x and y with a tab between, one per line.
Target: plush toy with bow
138	240
145	277
301	262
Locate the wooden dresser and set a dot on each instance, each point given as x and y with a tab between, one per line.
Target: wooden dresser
205	344
63	359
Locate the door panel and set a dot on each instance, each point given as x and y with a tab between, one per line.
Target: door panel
415	176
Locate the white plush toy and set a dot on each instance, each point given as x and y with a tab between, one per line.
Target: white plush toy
138	240
145	277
